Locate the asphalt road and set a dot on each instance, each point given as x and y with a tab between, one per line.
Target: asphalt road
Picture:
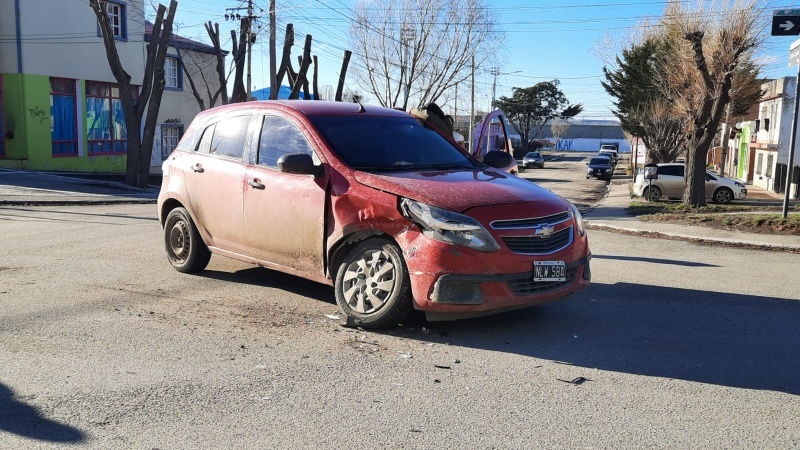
103	345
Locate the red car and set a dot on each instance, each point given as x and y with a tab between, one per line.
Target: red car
387	209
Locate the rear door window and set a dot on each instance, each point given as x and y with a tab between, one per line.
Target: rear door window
229	137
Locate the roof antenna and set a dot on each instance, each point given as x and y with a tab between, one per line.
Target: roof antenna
355	97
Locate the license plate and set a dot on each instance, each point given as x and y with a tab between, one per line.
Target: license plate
549	271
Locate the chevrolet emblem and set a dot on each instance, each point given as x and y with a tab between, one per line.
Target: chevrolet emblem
545	230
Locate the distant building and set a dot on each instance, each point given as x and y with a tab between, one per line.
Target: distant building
586	135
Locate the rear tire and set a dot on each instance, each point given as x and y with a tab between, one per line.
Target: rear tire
185	248
372	285
653	194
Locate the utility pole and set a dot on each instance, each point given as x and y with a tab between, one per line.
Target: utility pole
273	79
472	109
250	39
230	13
496	72
407	35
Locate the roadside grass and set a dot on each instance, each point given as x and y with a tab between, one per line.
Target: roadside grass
746	218
638	208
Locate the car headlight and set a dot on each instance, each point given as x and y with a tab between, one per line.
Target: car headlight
737	184
578	219
448	226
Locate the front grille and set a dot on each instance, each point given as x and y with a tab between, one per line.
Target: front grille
539	245
526	286
532	222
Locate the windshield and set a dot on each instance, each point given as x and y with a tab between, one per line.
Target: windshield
533	155
598	161
375	143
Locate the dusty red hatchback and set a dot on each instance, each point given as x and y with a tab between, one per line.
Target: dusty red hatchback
381	205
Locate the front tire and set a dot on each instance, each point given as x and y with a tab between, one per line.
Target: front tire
185	248
372	285
723	195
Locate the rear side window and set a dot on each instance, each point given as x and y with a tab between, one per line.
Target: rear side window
675	171
280	137
229	137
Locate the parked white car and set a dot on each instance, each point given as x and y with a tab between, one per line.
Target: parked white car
670	185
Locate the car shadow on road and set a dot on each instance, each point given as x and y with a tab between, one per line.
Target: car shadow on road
259	276
673	262
24	420
735	340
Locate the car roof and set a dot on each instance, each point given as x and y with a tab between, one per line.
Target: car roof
308	108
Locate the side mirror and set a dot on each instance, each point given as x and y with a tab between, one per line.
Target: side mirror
498	159
298	163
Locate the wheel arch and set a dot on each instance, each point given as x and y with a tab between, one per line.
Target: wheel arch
168	205
338	251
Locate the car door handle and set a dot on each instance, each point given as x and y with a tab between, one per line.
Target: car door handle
255	184
198	168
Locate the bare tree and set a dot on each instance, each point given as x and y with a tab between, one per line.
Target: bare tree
411	52
206	89
662	131
559	128
140	145
708	49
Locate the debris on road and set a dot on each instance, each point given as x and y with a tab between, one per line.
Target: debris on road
441	367
332	316
575	381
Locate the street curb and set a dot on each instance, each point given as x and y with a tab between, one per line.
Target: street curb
76	202
694	239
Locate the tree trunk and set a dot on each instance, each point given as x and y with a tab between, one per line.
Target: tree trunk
239	93
342	74
140	146
288	42
213	34
301	74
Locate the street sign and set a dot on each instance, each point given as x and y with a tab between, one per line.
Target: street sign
786	22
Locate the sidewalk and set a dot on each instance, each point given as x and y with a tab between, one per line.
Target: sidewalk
610	214
36	188
19	187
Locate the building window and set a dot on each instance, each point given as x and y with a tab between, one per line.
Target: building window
769	166
63	117
172	73
170	136
759	163
105	120
116	18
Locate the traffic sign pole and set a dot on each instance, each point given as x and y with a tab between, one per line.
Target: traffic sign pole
793	142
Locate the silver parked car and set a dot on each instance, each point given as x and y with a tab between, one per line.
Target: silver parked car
670	185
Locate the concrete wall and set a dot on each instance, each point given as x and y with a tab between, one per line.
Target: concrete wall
590	145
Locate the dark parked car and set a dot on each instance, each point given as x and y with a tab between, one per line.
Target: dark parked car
385	208
600	167
533	159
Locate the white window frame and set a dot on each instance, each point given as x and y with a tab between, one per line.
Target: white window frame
114	12
171	74
169	142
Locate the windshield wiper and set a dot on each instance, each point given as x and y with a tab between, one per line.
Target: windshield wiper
444	167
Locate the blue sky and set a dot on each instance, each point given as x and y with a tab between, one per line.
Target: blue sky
546	39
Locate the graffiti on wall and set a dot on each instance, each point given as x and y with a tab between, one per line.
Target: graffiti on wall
564	144
38	113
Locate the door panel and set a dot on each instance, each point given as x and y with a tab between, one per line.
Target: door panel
284	214
215	181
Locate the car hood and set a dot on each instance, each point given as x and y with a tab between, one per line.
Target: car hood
458	190
599	166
